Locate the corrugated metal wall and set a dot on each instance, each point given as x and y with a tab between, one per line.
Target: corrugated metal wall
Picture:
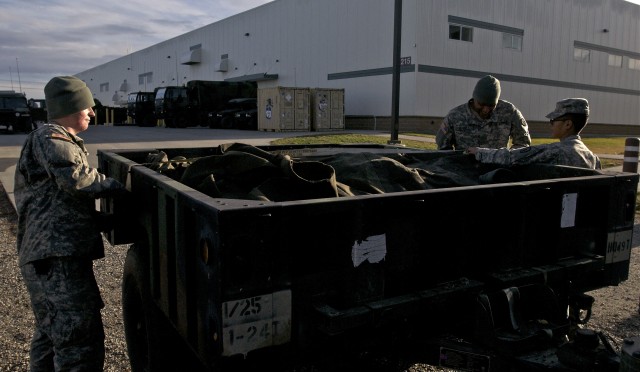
348	44
545	70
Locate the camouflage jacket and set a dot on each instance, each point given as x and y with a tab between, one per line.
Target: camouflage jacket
55	191
569	151
463	128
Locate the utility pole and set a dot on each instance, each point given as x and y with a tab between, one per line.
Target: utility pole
395	93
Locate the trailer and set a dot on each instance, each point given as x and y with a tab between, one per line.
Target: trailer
271	256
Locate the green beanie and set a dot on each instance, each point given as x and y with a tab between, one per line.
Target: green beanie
487	91
66	95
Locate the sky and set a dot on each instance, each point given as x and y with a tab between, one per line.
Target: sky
40	39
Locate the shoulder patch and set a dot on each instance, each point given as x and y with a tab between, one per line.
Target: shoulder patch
59	136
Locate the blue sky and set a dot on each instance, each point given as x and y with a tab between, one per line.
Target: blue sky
40	39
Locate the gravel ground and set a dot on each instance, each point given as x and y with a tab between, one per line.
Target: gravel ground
615	310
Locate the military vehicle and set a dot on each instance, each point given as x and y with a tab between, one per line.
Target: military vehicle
197	101
141	107
14	112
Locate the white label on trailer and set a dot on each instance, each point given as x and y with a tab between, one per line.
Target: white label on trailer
256	322
619	246
372	249
569	202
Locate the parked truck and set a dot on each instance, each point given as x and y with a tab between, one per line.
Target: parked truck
141	107
207	98
273	256
14	111
197	101
171	106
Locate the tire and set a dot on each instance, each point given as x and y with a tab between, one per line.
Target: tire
253	124
203	120
227	122
152	343
142	326
148	121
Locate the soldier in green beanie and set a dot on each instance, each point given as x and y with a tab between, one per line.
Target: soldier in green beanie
483	121
59	232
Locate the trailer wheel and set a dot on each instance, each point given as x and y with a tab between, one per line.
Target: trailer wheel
142	325
227	123
148	121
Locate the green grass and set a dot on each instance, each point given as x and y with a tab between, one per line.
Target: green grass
613	146
599	145
348	138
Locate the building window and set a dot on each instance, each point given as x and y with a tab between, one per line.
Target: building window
634	64
511	41
615	60
457	32
581	55
104	87
146	78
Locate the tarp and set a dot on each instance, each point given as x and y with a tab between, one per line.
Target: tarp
247	172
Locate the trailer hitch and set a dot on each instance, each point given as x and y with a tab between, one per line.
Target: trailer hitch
580	308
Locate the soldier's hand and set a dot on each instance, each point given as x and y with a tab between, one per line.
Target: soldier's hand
471	150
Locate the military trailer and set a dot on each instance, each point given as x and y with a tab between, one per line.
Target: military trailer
272	256
14	111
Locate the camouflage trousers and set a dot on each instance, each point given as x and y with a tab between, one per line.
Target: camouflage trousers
66	302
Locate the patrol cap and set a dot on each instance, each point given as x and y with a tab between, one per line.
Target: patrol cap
570	106
487	91
66	95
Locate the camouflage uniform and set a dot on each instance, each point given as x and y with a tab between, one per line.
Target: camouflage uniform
463	128
57	240
569	151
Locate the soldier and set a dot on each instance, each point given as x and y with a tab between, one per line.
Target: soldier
567	121
484	121
59	232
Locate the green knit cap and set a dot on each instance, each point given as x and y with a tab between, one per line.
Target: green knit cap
487	91
66	95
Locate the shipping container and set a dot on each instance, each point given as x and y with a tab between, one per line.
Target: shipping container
283	109
327	109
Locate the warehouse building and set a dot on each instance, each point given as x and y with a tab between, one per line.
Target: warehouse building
541	50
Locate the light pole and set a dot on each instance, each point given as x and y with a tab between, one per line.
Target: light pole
395	85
